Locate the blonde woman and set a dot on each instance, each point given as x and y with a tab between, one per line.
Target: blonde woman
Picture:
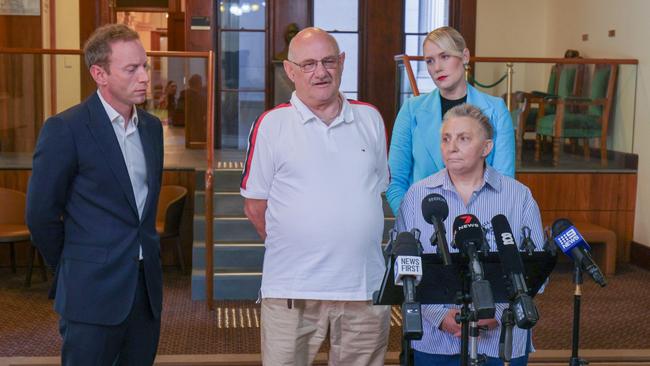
415	144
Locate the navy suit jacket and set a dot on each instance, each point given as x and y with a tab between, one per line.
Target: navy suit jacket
83	218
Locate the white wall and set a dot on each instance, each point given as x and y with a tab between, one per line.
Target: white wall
501	30
524	27
595	18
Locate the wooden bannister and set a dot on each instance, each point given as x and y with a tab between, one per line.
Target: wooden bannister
209	188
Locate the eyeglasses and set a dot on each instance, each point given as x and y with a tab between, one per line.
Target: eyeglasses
330	62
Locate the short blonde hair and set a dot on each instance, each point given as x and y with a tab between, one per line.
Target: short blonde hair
470	111
448	39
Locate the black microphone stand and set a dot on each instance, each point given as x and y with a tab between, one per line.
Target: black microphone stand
577	280
406	356
411	327
505	337
469	330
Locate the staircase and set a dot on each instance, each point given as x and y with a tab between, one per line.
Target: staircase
238	250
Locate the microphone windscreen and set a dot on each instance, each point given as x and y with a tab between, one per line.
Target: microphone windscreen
502	231
406	244
566	236
467	229
506	245
559	226
434	205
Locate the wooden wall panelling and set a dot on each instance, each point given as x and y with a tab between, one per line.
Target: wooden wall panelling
462	16
198	40
15	178
605	199
176	31
21	83
381	32
283	13
629	187
21	31
95	13
584	191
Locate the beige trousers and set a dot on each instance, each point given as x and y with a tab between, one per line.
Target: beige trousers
293	331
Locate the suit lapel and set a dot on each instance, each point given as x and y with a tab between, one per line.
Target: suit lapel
150	157
431	131
475	98
102	130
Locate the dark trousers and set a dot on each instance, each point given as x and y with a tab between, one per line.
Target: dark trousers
133	342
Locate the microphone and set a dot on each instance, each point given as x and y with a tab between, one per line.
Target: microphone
527	242
549	244
569	240
388	250
435	211
408	273
469	238
408	264
525	312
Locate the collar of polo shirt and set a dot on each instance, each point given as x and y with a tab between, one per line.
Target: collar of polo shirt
306	115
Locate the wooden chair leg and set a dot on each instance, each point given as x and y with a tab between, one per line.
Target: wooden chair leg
179	254
603	151
556	151
585	147
30	266
574	145
538	147
12	257
41	263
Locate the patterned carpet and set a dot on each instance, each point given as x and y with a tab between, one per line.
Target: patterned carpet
614	317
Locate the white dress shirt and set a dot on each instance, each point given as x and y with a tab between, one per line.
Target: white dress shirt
128	138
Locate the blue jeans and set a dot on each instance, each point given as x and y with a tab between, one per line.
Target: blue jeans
428	359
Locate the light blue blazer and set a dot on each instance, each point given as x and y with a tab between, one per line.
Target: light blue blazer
415	145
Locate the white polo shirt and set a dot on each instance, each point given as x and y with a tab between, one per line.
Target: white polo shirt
323	184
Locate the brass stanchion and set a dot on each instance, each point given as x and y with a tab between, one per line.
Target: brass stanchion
509	91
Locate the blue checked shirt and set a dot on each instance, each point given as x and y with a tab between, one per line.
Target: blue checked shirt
498	195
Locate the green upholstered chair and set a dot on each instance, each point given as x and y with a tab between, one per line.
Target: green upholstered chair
588	119
564	80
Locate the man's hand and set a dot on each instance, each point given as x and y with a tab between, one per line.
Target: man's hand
449	324
255	211
488	323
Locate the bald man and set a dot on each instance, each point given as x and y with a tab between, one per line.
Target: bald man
312	183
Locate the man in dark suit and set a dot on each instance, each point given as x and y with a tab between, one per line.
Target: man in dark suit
91	209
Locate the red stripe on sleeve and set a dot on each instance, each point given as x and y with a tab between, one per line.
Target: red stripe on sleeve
352	101
252	140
